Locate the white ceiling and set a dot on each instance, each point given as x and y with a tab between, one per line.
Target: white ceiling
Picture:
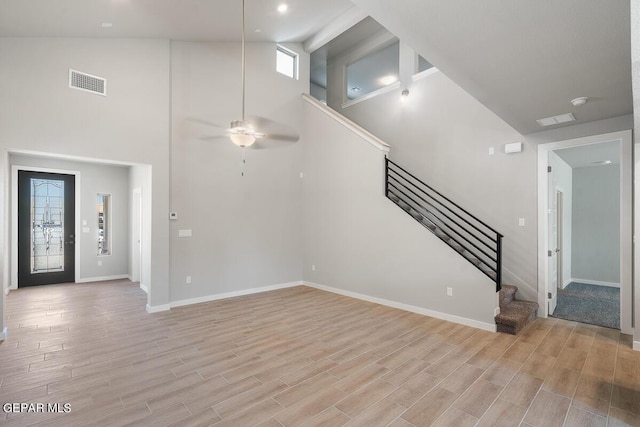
523	59
173	19
591	155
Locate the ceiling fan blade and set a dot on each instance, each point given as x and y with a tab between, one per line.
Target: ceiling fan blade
206	122
214	138
282	137
267	129
267	144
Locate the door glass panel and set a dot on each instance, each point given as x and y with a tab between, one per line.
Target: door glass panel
47	225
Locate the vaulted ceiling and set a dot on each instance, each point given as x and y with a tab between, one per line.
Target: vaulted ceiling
190	20
523	59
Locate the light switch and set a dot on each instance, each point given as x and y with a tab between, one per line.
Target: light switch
184	233
521	222
85	229
491	151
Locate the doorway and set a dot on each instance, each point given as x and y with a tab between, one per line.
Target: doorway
561	268
136	238
555	258
46	228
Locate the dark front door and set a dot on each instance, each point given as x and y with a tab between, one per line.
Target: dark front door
46	228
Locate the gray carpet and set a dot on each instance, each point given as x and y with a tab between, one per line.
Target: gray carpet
596	305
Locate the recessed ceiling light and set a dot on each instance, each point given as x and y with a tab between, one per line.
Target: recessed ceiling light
283	7
602	162
107	25
387	80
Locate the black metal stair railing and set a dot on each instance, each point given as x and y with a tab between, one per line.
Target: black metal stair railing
476	241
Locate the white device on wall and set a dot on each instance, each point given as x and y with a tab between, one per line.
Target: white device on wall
514	147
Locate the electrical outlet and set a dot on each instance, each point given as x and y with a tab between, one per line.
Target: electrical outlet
313	267
187	280
491	151
99	263
521	222
449	292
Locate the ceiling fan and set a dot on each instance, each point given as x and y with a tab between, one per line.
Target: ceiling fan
243	132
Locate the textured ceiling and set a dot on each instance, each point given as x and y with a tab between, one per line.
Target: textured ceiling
591	155
523	59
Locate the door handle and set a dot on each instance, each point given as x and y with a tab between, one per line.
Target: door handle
557	250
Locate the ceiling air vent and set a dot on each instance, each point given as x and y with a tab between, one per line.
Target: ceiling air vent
556	120
87	82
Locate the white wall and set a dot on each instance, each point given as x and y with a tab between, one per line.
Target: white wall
596	224
635	78
103	179
39	113
361	242
246	229
563	180
140	178
443	135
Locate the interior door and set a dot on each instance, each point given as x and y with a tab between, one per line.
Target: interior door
46	228
553	238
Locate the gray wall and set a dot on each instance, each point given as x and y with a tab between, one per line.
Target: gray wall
596	224
246	229
359	241
443	135
39	113
94	179
563	180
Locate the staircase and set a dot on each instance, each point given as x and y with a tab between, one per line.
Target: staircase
474	240
514	314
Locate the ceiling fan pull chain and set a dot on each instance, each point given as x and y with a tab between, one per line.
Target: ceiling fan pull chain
244	161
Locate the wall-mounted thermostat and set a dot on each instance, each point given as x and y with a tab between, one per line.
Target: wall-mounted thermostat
173	215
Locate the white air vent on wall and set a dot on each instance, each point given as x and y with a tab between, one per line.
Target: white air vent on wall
87	82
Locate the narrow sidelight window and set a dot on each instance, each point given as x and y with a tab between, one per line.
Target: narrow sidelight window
104	224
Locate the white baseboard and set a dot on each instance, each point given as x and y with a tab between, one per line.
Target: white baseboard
158	308
215	297
596	282
566	282
491	327
102	278
144	287
636	345
3	334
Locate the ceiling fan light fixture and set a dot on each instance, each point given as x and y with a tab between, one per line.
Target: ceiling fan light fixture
242	139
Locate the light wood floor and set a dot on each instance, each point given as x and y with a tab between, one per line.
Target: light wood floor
300	356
